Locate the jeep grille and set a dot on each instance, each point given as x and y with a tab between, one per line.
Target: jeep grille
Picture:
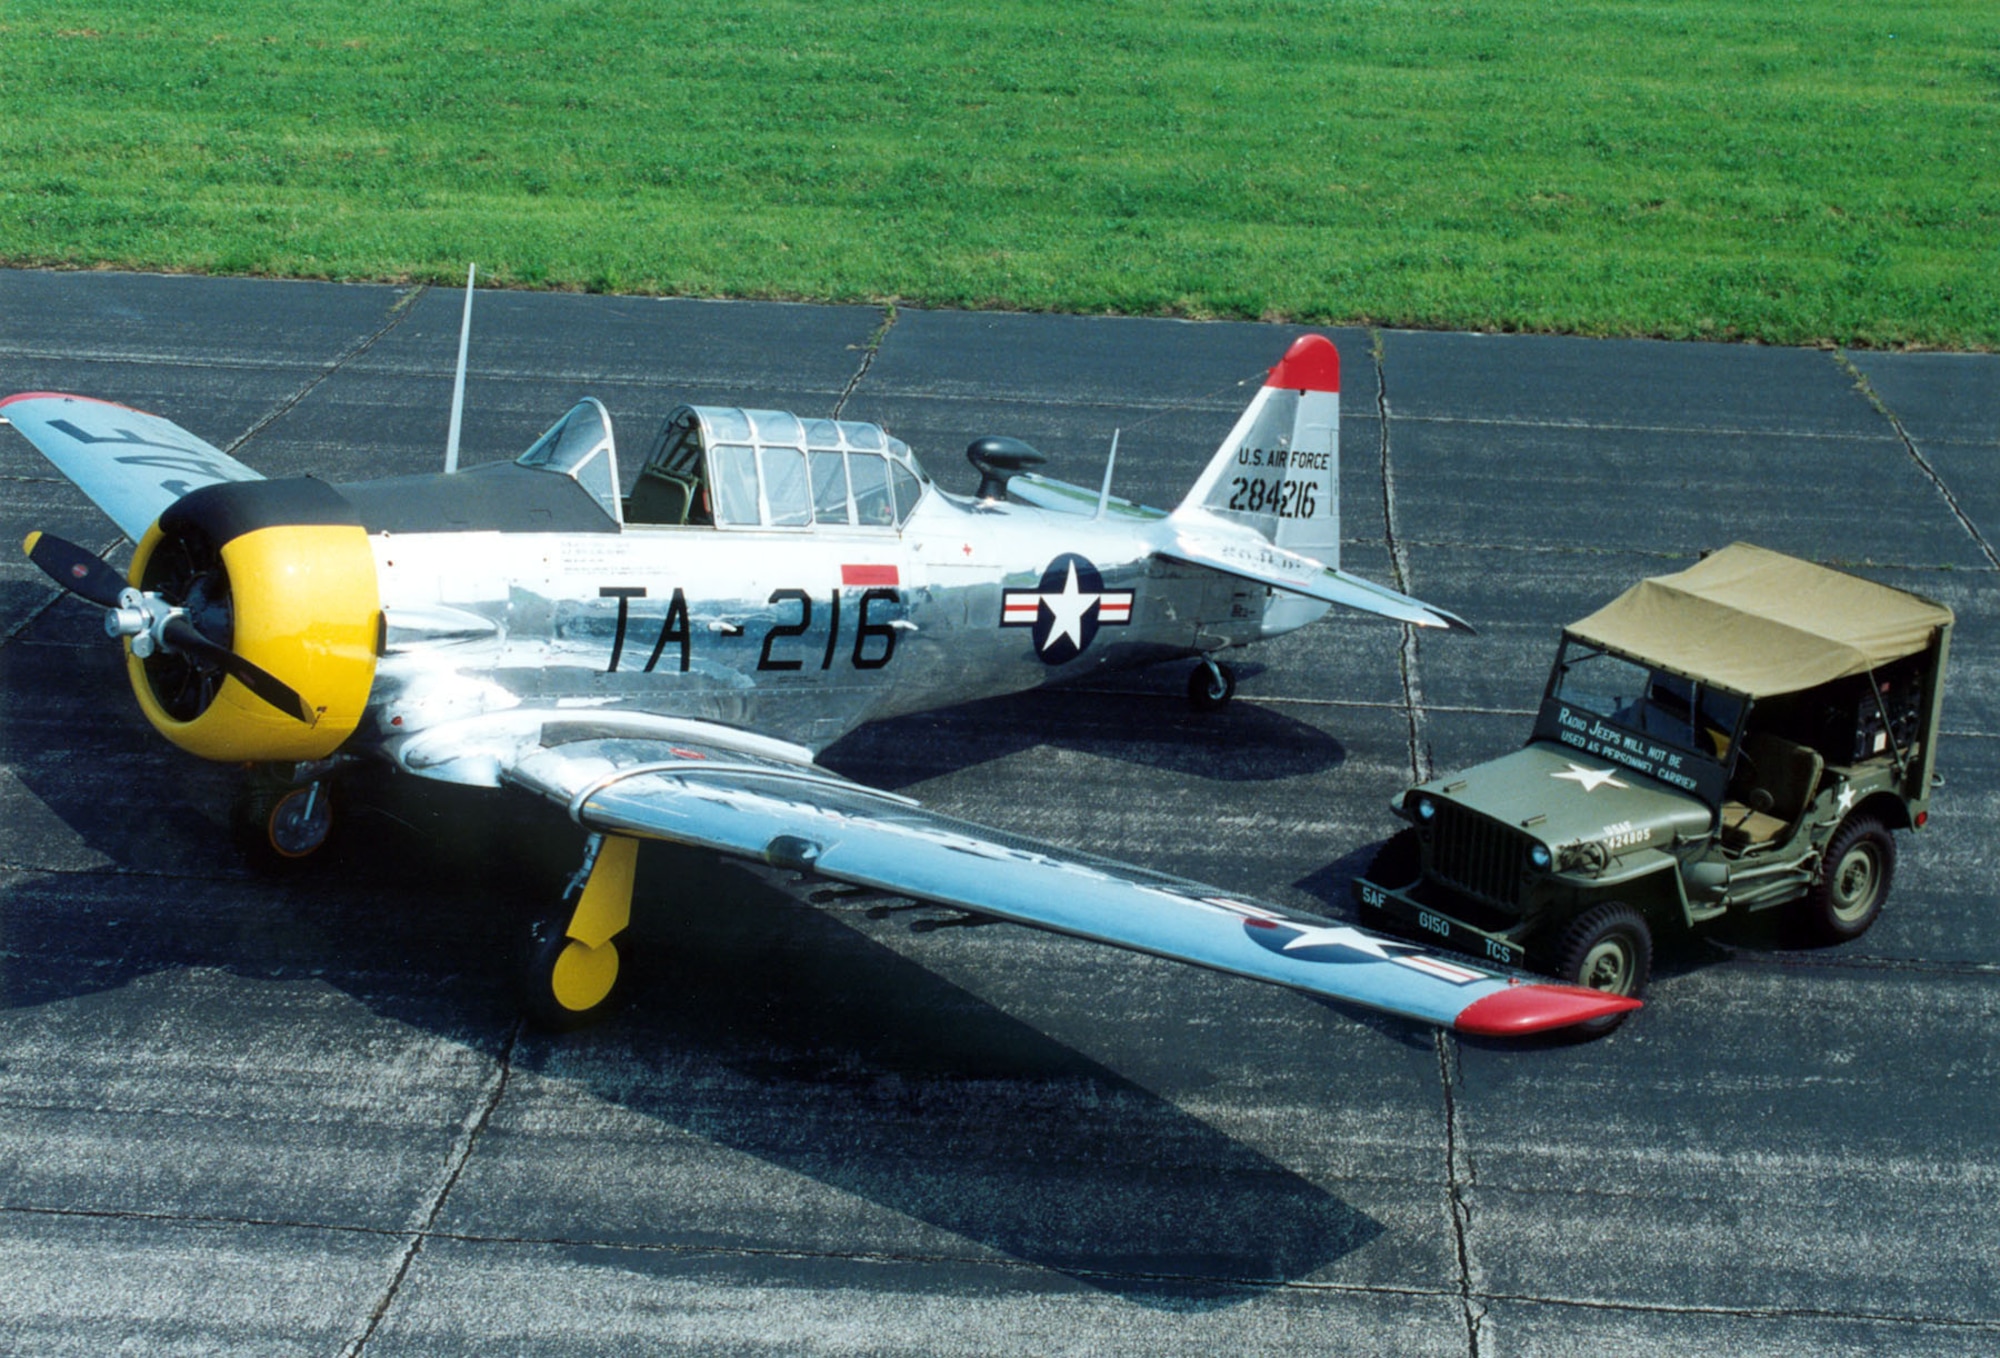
1480	857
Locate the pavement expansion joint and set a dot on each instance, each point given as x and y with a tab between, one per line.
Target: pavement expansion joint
398	311
461	1153
1980	1325
1615	427
1792	959
1867	390
869	349
1459	1176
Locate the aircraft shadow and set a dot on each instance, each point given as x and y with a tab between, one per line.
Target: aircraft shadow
1161	733
818	1049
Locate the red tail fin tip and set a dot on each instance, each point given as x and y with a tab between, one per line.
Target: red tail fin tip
1311	364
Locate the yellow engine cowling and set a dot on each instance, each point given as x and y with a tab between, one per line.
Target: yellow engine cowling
304	605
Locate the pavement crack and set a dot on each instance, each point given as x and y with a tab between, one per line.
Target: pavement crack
400	309
869	348
1930	473
1399	567
1459	1176
461	1154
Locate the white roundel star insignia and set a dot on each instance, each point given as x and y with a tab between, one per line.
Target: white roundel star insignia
1066	609
1326	943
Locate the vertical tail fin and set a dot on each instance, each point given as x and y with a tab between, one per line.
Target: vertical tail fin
1278	472
1277	476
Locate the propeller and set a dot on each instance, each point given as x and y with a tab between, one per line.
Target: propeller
152	623
81	573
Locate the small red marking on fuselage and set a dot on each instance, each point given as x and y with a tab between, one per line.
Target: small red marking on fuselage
869	575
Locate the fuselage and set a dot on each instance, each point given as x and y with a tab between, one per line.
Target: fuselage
800	634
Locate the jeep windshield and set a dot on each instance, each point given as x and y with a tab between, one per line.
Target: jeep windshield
1667	726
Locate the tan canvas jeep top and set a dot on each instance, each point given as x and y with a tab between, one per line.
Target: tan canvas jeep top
1761	623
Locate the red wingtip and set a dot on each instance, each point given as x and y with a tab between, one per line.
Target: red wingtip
1520	1010
1311	364
64	396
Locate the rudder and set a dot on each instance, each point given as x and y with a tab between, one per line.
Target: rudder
1278	471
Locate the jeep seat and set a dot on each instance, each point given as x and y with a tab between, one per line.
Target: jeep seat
1789	773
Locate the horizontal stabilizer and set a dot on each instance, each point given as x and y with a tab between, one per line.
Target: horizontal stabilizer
1268	564
132	465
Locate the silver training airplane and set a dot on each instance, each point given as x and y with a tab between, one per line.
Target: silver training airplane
666	664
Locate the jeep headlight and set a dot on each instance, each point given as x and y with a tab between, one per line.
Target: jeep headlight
1585	856
1426	809
1538	857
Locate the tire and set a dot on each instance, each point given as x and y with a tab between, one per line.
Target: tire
564	984
1608	947
280	829
1399	862
1855	873
1202	689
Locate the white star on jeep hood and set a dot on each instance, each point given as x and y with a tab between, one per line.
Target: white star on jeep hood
1590	779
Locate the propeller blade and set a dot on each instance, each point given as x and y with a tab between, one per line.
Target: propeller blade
80	572
182	635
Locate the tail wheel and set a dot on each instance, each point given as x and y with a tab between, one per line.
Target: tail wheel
1854	878
279	828
1211	685
566	983
1610	948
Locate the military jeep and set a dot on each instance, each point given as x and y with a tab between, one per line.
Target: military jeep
1741	736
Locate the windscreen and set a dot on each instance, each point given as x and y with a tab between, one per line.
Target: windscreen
1677	730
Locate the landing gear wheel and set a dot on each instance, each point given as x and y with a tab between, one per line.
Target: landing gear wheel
1854	877
1608	947
566	983
280	827
1211	685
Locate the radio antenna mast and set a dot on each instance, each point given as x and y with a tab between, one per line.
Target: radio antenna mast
458	383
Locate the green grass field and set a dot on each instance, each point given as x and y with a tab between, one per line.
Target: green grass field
1786	172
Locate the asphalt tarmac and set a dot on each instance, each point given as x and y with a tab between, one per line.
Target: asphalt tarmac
245	1115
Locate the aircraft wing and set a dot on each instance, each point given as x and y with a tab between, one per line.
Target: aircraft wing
765	804
132	465
1267	564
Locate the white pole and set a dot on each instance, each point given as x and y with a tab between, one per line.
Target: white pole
458	384
1104	495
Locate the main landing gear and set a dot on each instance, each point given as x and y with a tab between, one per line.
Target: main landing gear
1211	684
570	966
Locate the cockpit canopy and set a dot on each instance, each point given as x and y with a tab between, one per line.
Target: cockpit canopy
738	468
579	446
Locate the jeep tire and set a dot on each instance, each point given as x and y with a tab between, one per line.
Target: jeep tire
1608	947
1853	881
